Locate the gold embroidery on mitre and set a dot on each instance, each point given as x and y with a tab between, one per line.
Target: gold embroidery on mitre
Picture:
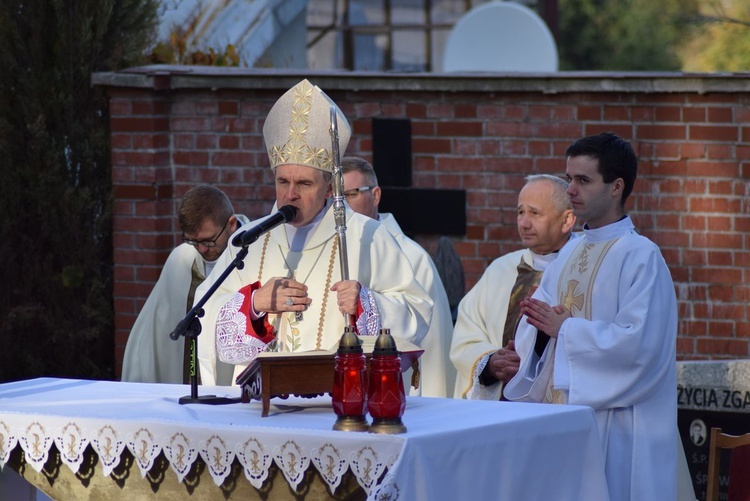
297	129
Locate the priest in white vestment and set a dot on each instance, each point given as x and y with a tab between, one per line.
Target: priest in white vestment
289	296
206	219
601	328
437	375
482	348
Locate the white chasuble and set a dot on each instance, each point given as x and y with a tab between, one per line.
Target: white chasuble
480	325
616	354
390	291
438	375
151	356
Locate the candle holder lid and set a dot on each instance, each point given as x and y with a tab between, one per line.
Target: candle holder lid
385	344
349	342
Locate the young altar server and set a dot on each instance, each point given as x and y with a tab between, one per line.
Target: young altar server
601	329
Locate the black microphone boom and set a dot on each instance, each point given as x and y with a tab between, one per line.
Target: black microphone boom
284	215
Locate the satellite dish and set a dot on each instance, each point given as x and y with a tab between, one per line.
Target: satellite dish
500	36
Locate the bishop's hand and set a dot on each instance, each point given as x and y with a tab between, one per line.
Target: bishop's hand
347	296
281	294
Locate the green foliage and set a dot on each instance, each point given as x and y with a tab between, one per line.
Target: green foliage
178	51
721	38
55	230
623	35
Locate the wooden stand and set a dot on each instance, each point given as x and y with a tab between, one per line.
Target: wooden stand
298	375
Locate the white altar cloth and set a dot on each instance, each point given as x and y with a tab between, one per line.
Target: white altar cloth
453	449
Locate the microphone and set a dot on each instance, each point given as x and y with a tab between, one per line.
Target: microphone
284	215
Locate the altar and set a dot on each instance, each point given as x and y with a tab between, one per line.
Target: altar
106	440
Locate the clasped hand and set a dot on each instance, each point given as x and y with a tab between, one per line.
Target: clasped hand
545	318
504	363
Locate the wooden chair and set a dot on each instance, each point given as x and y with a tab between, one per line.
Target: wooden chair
718	442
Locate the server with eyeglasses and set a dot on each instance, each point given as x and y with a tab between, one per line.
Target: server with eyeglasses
207	220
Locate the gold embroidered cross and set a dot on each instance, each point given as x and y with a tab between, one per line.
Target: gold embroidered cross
217	458
72	445
144	449
37	445
180	456
107	449
367	469
570	298
255	463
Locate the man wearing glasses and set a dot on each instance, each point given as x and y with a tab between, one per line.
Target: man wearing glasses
207	220
438	375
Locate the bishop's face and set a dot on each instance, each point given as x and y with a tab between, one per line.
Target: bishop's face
303	187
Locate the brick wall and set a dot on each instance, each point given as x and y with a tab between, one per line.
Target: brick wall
174	127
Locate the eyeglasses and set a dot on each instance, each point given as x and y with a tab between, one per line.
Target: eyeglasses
354	192
205	243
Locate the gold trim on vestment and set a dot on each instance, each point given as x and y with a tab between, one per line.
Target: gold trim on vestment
294	332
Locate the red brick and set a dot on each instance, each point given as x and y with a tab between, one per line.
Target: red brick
460	129
667	150
717	240
511	112
431	145
414	110
693	150
465	111
616	113
229	142
668	113
587	112
121	141
228	107
720	152
642	113
206	141
712	169
394	110
448	182
139	124
538	112
660	132
190	123
720	259
694	114
623	130
196	158
723	114
714	133
721	187
564	113
119	107
231	159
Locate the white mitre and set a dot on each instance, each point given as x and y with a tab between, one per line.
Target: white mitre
297	129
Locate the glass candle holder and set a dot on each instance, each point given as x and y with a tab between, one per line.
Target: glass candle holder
350	384
386	400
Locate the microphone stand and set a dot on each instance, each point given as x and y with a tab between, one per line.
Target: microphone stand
190	327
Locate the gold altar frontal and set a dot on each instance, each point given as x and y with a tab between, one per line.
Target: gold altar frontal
57	481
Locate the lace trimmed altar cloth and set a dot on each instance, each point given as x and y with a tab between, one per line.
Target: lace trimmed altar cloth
452	448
